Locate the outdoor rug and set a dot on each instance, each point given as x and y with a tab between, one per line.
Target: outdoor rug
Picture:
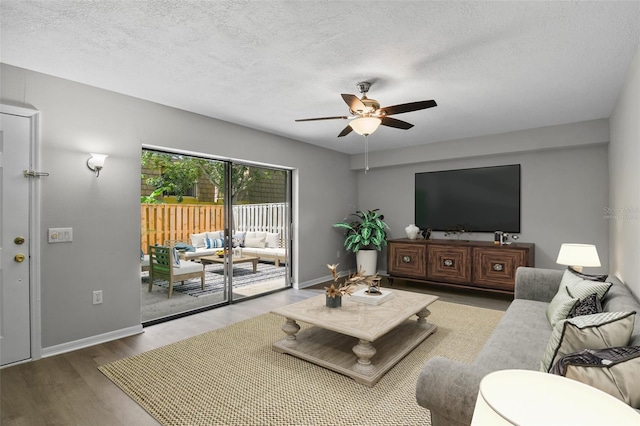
214	278
231	376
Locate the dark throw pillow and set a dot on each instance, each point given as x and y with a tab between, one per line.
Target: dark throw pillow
615	371
588	306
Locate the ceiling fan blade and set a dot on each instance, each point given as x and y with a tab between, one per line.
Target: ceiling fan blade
411	106
355	104
340	117
345	131
398	124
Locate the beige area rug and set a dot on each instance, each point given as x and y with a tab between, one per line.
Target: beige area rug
231	376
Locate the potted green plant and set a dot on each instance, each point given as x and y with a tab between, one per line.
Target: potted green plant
366	234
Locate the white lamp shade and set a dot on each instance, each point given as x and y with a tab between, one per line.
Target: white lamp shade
97	160
365	125
578	255
523	397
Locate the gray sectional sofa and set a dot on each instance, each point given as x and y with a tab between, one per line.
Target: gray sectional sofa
449	388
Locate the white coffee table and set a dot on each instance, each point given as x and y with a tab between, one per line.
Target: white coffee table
358	340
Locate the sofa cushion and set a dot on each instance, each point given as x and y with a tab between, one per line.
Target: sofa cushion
273	240
579	287
615	371
560	306
215	235
197	240
255	242
533	331
214	243
238	239
591	277
620	299
599	331
187	268
588	306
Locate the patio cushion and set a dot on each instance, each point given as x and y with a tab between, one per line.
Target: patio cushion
187	268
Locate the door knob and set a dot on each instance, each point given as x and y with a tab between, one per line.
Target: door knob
18	257
19	240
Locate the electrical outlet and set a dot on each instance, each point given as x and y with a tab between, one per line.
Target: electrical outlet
97	297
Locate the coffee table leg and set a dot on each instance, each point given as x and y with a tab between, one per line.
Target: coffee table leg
255	266
422	316
290	328
364	350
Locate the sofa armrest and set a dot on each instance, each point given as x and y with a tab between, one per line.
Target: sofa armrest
537	283
449	389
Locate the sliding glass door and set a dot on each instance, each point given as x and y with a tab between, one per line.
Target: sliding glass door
227	221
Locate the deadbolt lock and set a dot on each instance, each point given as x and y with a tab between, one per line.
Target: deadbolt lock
18	257
19	240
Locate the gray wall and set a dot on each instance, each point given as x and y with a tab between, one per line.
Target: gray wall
624	182
105	215
563	191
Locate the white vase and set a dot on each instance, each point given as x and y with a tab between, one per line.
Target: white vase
367	261
412	231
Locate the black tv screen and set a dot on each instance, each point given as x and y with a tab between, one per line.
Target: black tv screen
485	199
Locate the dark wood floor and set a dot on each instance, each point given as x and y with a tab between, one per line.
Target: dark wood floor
68	389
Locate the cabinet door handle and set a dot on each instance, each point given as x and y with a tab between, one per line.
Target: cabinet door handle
498	267
447	262
406	259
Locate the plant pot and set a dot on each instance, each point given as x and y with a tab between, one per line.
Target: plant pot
333	302
367	261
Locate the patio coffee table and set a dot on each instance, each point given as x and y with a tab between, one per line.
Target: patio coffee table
379	335
206	260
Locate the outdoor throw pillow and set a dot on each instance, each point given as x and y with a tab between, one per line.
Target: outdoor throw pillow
238	239
615	371
588	306
254	242
197	240
214	243
273	240
176	257
560	306
599	331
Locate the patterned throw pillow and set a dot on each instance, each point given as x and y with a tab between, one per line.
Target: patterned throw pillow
615	371
599	331
588	306
580	287
214	243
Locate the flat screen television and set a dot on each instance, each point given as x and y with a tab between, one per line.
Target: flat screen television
485	199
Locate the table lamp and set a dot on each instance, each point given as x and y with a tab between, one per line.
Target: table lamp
523	397
578	256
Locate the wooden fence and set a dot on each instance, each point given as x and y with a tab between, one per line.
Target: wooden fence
176	222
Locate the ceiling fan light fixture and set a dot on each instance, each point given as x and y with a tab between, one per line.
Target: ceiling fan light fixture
365	125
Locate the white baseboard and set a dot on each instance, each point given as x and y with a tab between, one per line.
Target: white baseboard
91	341
327	278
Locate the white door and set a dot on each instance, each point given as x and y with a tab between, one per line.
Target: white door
15	144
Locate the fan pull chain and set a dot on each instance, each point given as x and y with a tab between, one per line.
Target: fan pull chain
366	153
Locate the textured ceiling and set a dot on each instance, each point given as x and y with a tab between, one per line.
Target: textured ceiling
491	66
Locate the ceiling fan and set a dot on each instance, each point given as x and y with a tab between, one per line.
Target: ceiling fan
366	114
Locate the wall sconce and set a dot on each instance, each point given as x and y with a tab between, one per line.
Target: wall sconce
578	255
96	162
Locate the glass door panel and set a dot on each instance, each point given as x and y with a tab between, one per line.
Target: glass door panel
260	215
183	209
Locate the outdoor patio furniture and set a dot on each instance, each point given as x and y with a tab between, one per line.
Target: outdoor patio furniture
165	265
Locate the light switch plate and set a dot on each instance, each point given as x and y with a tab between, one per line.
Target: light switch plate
60	235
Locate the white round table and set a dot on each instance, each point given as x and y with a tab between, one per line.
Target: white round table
523	397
